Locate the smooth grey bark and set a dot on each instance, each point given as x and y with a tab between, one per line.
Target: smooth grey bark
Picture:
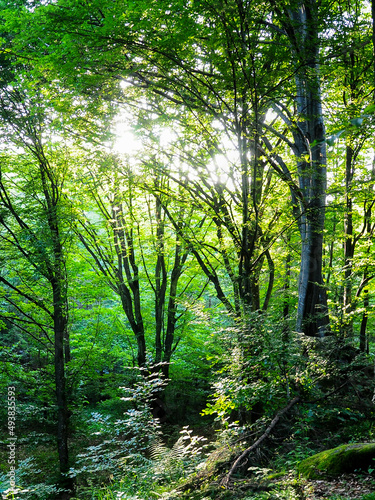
309	139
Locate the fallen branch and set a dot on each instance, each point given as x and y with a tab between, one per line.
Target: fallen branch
255	445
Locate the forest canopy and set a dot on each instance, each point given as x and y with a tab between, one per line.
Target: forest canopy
186	235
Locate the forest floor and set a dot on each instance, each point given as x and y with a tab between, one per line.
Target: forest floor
346	486
351	486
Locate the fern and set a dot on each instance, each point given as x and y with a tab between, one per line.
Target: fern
178	461
158	450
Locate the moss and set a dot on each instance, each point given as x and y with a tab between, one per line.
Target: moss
275	475
343	459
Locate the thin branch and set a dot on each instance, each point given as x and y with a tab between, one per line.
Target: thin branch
258	442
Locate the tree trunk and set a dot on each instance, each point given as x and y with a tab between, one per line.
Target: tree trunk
60	325
127	276
309	138
349	245
58	281
161	280
62	357
363	340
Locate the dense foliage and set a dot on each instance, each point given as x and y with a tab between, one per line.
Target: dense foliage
186	243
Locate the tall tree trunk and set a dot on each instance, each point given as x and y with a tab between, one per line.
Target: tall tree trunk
60	326
369	228
171	310
349	245
58	281
160	282
363	340
127	276
309	137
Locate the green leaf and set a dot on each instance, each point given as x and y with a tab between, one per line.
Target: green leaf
369	109
357	122
334	136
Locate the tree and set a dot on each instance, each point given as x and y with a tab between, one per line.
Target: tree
138	255
34	234
301	24
209	81
349	94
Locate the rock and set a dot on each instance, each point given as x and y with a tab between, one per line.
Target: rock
340	460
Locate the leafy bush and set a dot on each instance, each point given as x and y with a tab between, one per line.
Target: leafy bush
115	441
28	487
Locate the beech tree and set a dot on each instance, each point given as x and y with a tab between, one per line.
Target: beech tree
215	79
236	238
219	77
302	24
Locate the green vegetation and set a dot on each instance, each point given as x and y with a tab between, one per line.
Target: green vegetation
345	458
187	249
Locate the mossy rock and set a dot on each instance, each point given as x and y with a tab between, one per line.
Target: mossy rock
340	460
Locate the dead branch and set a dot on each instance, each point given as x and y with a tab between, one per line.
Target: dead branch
254	446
